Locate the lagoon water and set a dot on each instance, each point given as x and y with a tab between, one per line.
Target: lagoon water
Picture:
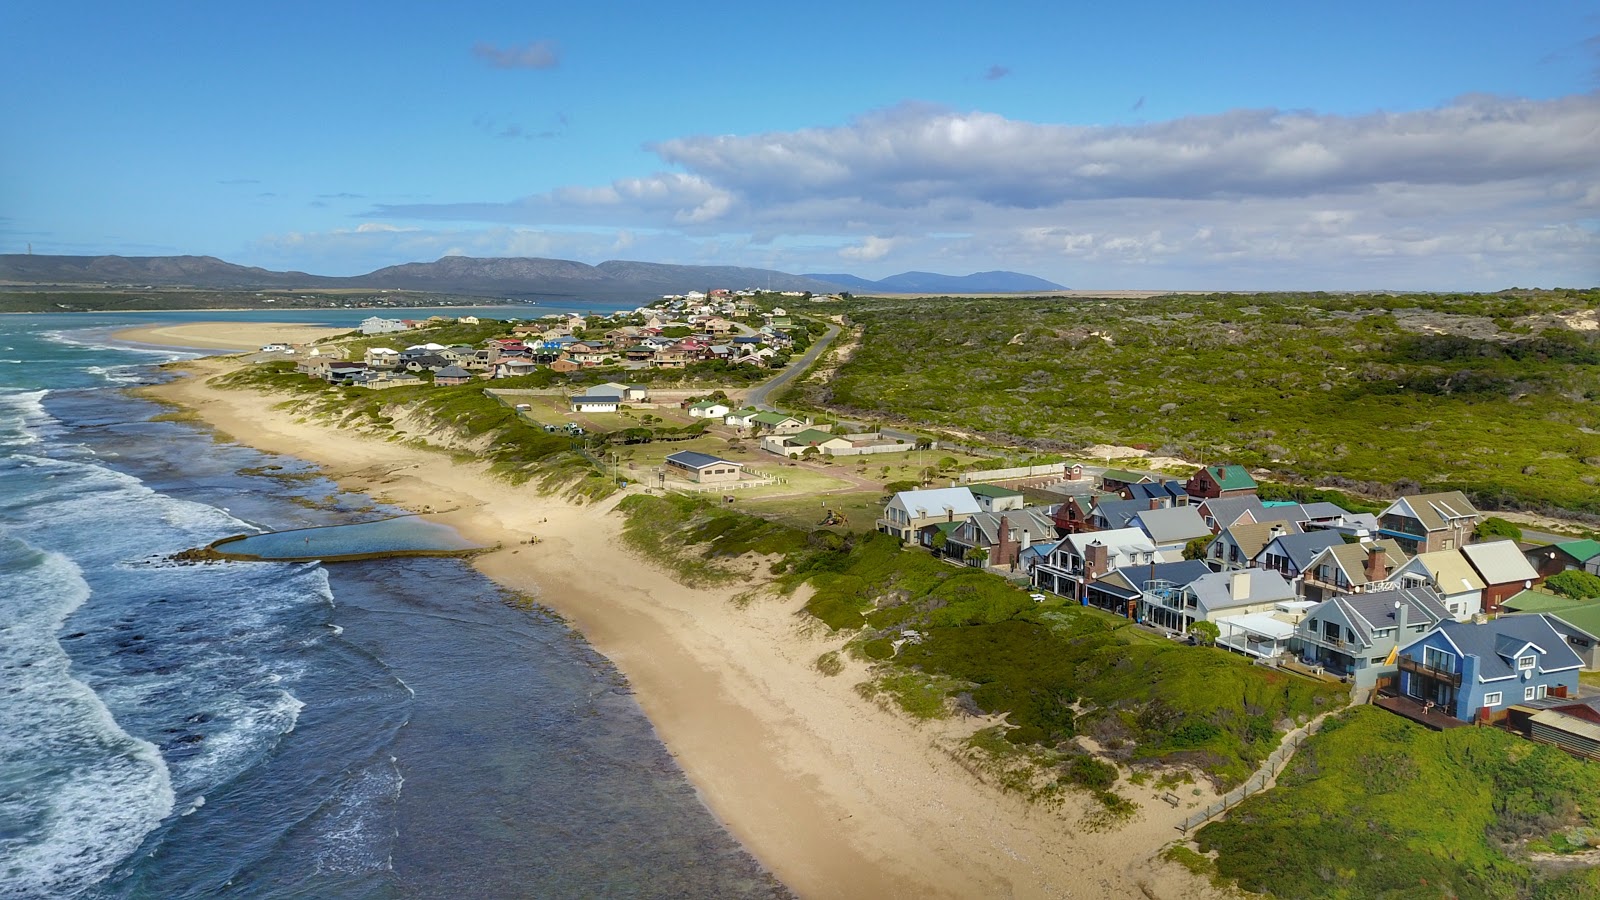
395	728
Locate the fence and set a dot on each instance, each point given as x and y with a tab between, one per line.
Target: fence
1018	472
1259	781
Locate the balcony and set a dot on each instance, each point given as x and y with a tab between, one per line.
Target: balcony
1446	676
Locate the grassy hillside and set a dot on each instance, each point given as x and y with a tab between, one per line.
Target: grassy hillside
1492	394
1374	806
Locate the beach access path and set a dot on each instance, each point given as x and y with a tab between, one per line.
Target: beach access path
837	796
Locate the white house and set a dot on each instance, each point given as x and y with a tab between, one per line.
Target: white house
910	510
709	409
589	403
1451	575
380	325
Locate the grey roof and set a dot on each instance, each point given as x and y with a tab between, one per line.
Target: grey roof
1172	526
1214	590
1323	510
1227	510
592	398
1499	562
1377	609
1117	512
452	372
698	460
1033	519
1492	642
1129	580
1171	490
1303	548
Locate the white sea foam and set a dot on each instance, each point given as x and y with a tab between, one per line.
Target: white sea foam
356	830
22	415
91	791
97	340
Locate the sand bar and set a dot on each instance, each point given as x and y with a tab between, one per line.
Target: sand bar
837	796
235	336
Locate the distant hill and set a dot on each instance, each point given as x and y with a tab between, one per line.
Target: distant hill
515	277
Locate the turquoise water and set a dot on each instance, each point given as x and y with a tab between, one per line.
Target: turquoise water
403	534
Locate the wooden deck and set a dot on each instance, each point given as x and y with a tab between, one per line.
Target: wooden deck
1434	718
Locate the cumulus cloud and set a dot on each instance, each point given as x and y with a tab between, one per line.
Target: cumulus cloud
541	54
1460	189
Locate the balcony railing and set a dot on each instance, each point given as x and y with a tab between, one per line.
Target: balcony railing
1408	664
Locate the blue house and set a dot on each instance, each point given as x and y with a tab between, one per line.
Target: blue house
1477	671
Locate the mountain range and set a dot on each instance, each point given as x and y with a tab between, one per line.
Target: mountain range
515	277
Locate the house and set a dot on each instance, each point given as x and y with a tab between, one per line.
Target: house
1554	559
1117	513
793	445
1351	569
586	403
1428	522
450	375
347	372
1221	513
1169	492
908	511
1129	590
1291	554
625	393
382	358
1078	559
1578	621
380	325
1074	513
1211	595
1113	481
514	366
670	358
1451	576
1239	544
742	418
1476	671
703	468
1003	536
778	423
1220	481
1356	636
994	498
709	409
1170	529
467	320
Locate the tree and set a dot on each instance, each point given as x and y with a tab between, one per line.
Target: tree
977	555
946	463
940	539
1496	527
1205	632
1196	549
1574	583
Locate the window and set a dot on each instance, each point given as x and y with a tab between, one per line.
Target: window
1526	663
1527	693
1435	658
1491	699
1542	692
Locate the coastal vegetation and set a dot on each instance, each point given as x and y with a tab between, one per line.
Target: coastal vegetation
1375	806
945	639
1490	394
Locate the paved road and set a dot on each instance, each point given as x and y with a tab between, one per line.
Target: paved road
758	395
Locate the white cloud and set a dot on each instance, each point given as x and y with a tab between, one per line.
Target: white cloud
541	54
1478	189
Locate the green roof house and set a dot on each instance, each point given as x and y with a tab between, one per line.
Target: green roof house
1212	482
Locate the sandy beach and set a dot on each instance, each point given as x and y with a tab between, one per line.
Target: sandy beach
232	336
837	796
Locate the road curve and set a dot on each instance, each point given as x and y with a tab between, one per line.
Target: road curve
758	395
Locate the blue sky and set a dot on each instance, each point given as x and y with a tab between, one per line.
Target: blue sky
1158	145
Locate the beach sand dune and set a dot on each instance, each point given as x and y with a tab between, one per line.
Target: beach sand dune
837	796
234	336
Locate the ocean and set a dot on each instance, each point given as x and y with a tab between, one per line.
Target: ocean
396	728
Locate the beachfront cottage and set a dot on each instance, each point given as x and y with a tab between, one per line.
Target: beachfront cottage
1504	570
1476	671
703	468
1351	569
1078	559
452	375
1355	636
1428	522
380	325
708	409
908	511
1003	536
1448	573
1220	481
1238	544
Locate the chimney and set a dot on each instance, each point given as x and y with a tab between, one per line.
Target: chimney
1155	502
1400	611
1097	559
1027	540
1376	568
1239	586
1005	541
